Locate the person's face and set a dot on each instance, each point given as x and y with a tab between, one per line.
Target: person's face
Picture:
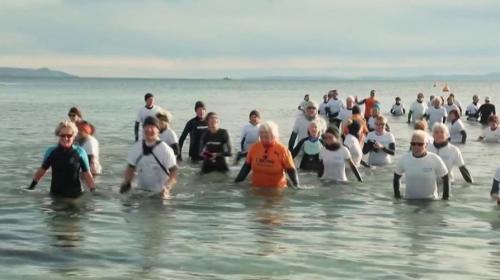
418	146
254	120
313	130
74	118
452	117
475	99
493	125
66	137
150	102
151	132
398	101
265	137
379	126
306	98
450	100
335	95
420	97
437	103
213	123
311	111
439	136
325	98
200	112
372	94
349	103
330	139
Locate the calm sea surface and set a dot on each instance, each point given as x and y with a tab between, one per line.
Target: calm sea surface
214	229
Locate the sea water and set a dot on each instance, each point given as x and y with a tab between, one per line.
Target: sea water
212	228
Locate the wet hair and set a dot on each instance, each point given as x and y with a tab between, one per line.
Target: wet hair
210	115
64	124
421	125
147	96
441	126
164	116
493	118
398	98
332	131
254	113
199	104
454	113
270	127
354	128
356	110
76	111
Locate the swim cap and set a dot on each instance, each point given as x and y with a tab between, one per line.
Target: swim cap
84	127
151	121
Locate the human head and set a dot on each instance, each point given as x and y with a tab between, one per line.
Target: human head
313	129
325	98
164	119
254	117
380	122
74	114
372	93
66	131
376	110
306	97
335	94
199	108
493	121
356	110
436	102
449	100
421	125
440	133
475	98
419	142
311	109
331	136
268	132
354	128
151	128
349	101
487	99
420	97
453	115
84	129
149	98
398	99
212	121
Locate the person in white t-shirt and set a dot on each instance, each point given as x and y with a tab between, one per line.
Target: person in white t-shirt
495	186
90	145
167	134
323	107
436	113
455	101
418	109
351	141
380	144
249	134
422	125
456	128
448	152
335	105
301	124
492	132
398	109
450	105
346	113
472	111
422	171
333	158
371	121
303	105
150	109
153	160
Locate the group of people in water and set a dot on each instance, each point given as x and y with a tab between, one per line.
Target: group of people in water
329	140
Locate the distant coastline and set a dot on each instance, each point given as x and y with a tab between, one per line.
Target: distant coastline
12	72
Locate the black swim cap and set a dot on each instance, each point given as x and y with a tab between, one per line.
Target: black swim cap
151	121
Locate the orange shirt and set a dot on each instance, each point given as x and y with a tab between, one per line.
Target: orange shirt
369	103
363	129
269	164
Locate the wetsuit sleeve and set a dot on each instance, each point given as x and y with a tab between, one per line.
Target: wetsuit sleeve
227	148
446	187
47	158
294	177
465	173
392	109
291	142
368	146
244	171
464	136
495	187
391	150
175	147
361	102
84	159
242	143
395	184
409	115
321	169
203	142
136	131
355	170
185	132
298	147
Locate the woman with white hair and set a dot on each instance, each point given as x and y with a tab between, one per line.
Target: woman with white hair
437	113
66	161
422	171
269	160
380	144
448	152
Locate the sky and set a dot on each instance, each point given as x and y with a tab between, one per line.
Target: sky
257	38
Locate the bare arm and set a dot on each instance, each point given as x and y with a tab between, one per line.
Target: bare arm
128	177
89	180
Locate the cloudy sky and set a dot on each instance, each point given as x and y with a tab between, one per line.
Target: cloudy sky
213	39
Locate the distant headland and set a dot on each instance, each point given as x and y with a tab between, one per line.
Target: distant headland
12	72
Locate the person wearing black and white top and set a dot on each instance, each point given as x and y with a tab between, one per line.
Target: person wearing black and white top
486	110
472	111
167	134
150	109
335	105
456	128
215	146
195	128
436	113
301	125
249	134
448	152
418	109
422	171
380	144
309	149
398	108
153	160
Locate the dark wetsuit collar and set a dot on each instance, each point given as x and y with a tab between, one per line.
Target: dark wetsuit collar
332	147
149	108
441	145
421	156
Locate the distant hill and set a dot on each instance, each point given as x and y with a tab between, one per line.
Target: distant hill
11	72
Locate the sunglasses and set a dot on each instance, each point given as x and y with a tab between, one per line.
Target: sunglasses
417	144
65	135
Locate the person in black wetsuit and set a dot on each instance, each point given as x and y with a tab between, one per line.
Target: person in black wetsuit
485	111
310	148
195	127
215	146
66	161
